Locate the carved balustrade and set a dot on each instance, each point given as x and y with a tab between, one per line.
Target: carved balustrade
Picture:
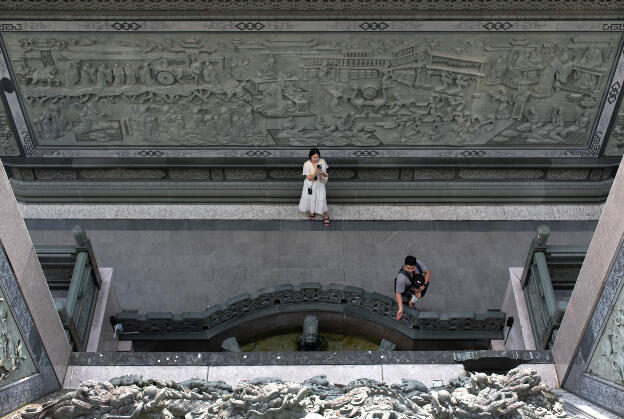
309	297
74	281
549	275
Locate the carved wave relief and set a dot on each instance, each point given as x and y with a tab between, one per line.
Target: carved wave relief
312	89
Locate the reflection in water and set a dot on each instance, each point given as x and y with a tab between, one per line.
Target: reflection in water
331	342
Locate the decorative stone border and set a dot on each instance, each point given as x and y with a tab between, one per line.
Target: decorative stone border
601	386
44	380
325	5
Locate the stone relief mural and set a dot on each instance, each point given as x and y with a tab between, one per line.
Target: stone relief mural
607	361
615	142
305	89
518	394
8	145
15	360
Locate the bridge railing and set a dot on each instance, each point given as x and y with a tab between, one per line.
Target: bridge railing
373	307
74	280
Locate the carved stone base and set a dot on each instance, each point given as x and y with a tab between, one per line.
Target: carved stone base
347	185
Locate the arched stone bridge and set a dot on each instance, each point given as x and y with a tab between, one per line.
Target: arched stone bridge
338	307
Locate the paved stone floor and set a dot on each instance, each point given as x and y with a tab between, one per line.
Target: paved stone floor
184	265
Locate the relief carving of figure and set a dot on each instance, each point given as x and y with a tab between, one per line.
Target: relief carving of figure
497	71
130	73
104	76
592	58
146	74
210	73
268	69
150	124
273	100
119	75
554	74
503	111
520	99
87	75
72	74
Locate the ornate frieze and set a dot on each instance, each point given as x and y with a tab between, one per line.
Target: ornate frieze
567	174
607	361
288	174
483	174
189	174
350	84
15	359
121	174
304	5
615	142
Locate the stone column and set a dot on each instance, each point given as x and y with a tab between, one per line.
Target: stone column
588	349
33	344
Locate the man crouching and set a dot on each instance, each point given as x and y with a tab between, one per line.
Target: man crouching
411	283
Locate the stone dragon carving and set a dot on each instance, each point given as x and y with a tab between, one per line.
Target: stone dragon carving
518	394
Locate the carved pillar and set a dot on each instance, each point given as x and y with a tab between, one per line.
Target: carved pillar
33	347
589	346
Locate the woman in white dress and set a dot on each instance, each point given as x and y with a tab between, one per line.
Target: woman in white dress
313	196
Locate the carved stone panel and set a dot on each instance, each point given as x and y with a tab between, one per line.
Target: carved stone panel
8	144
615	142
409	89
607	361
15	359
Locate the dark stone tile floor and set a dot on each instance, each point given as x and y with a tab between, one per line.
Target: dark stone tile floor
184	265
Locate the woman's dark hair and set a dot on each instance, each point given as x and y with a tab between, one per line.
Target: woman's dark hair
314	151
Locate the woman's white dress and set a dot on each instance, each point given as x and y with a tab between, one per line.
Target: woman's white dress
317	202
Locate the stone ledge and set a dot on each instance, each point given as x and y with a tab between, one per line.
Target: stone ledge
493	212
299	358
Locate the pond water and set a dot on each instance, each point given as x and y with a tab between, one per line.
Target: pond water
285	342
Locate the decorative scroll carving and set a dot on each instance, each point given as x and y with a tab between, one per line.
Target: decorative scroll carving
238	174
286	174
15	360
519	393
607	361
399	175
199	174
55	174
122	174
8	145
521	174
567	174
301	89
437	174
378	174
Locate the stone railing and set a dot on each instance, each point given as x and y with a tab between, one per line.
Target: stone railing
351	301
548	278
73	277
